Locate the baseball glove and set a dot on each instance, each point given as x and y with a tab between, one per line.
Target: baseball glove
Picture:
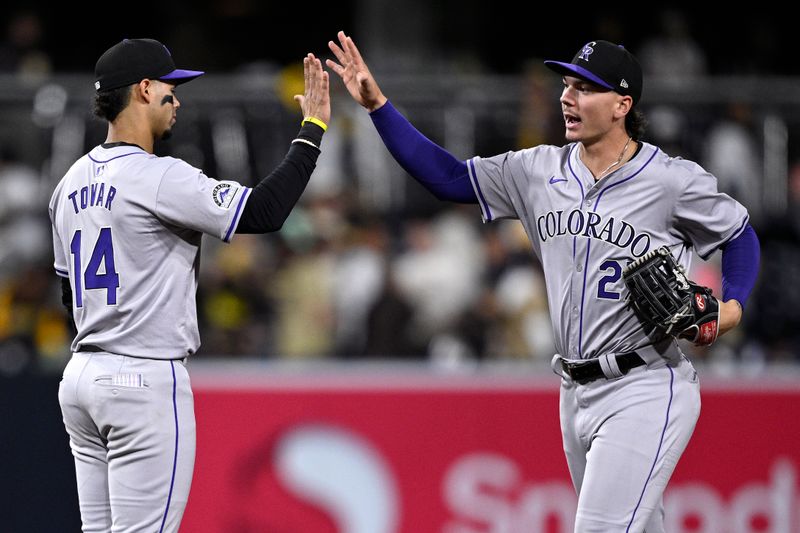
662	296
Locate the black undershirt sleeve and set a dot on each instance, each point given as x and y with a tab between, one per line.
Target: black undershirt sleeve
66	299
272	200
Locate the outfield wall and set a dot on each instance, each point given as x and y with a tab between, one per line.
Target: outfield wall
399	449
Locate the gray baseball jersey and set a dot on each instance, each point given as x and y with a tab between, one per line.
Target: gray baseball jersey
584	232
127	229
622	436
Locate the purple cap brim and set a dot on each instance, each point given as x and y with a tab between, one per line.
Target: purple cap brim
181	76
570	68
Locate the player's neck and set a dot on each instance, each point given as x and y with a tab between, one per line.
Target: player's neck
123	130
607	155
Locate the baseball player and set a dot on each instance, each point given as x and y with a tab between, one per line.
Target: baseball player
629	398
127	229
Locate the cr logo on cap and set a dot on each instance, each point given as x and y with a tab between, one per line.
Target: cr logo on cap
587	50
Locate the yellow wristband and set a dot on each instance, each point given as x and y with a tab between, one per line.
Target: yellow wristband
316	121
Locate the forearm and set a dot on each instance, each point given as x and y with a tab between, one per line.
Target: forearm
431	165
740	262
273	198
66	300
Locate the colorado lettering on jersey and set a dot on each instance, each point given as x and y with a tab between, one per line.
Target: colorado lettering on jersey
590	224
94	195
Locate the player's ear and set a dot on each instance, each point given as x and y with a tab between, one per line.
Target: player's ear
144	90
624	105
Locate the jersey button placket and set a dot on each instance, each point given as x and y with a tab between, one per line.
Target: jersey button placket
575	297
578	282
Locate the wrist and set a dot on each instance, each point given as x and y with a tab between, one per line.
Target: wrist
730	314
314	120
310	133
376	104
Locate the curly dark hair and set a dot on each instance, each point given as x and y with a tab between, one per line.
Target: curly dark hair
109	104
635	124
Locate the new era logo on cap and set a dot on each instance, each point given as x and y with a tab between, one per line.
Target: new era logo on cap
132	60
606	64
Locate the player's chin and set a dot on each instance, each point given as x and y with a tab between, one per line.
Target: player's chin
573	130
166	134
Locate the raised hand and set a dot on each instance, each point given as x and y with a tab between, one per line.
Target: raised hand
354	73
316	100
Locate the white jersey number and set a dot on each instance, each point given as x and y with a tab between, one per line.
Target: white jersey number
100	273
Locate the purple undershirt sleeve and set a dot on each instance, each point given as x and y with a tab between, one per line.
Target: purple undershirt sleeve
740	261
431	165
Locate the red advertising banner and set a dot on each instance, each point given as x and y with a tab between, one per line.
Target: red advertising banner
377	454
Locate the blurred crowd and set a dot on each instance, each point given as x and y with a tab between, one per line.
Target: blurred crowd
369	266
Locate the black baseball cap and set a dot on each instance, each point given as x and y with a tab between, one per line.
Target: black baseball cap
606	64
132	60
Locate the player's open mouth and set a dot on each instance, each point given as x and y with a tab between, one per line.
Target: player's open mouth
571	120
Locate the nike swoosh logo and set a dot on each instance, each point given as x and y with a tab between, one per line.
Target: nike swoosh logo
554	179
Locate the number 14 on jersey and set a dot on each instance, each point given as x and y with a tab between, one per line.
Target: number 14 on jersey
100	272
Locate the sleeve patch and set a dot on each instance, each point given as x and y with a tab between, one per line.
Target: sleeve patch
223	194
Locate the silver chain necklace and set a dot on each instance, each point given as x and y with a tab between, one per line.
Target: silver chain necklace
617	162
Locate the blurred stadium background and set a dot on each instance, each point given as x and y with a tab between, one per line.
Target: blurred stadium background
376	301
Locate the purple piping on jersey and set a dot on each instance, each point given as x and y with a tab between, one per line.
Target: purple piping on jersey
115	157
620	182
583	297
474	179
583	196
741	228
589	243
572	171
62	273
235	220
175	457
735	234
658	451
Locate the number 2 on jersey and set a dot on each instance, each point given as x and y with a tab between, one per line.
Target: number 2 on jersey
612	277
93	278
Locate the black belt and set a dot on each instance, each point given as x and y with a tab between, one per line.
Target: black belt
89	348
94	349
585	370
